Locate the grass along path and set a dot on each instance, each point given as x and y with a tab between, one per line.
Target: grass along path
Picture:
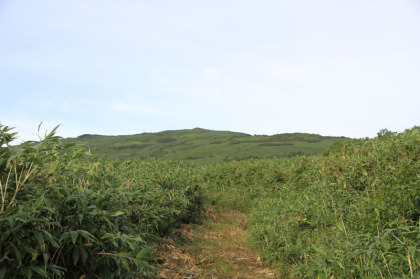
216	249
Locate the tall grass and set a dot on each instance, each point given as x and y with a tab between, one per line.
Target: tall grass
352	212
65	214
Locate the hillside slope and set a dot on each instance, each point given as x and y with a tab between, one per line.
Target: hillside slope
206	146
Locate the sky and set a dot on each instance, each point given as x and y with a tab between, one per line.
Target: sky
335	68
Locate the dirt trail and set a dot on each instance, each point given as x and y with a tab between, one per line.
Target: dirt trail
216	249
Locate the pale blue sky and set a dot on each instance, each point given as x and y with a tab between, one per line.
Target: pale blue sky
344	68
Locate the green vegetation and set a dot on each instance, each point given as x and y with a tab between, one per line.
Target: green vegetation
205	146
65	215
351	212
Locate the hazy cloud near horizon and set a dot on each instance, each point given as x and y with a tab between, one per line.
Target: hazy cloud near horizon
344	68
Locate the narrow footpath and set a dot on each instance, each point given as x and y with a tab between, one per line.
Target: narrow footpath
216	249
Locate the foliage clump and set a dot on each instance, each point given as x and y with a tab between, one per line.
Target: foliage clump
351	212
65	214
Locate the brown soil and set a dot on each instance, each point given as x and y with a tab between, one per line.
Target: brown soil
216	249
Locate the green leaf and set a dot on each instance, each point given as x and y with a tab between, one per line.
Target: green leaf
86	235
118	213
57	270
319	250
125	263
46	257
49	238
84	254
108	236
377	212
340	225
412	250
76	255
64	236
137	238
143	254
74	235
364	171
41	271
39	201
40	239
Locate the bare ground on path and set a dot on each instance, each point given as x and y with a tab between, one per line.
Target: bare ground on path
216	249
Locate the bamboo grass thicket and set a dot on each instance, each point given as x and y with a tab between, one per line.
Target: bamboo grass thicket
351	212
66	214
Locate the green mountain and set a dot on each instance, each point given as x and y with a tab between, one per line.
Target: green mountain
206	146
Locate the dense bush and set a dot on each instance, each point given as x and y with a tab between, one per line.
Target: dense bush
352	212
66	215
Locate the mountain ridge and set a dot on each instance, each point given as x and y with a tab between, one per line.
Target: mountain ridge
201	145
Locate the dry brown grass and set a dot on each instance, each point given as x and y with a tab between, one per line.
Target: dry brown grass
216	249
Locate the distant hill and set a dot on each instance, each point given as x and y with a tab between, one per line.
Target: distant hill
206	146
